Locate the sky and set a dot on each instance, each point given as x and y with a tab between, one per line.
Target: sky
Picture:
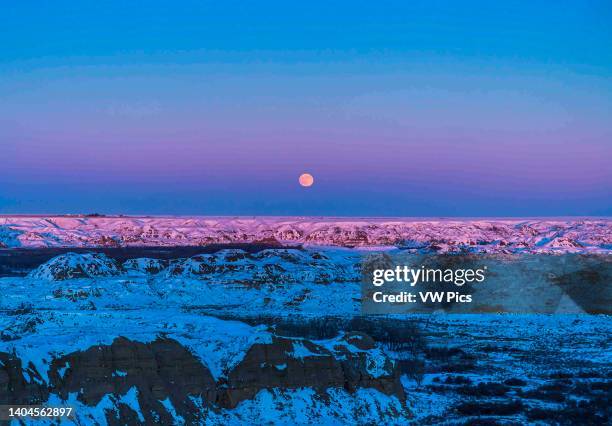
432	108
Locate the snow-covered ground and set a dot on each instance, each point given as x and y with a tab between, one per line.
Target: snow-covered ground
483	235
278	282
275	336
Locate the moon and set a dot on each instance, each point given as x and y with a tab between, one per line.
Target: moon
306	180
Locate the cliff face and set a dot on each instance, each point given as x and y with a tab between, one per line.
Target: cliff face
292	364
164	372
157	370
15	389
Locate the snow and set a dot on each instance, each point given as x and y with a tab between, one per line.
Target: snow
141	308
219	344
144	266
73	265
300	351
178	420
304	406
481	235
424	403
131	400
62	371
376	358
268	281
86	414
78	301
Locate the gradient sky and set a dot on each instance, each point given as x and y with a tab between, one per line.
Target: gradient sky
434	108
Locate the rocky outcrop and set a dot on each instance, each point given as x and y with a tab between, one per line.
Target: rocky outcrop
144	266
158	370
273	266
15	389
74	265
291	364
233	266
164	372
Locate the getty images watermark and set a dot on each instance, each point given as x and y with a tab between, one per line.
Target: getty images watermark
486	283
414	276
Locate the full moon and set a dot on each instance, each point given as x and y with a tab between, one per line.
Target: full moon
306	179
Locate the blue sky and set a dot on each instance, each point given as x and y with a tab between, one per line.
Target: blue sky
397	108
